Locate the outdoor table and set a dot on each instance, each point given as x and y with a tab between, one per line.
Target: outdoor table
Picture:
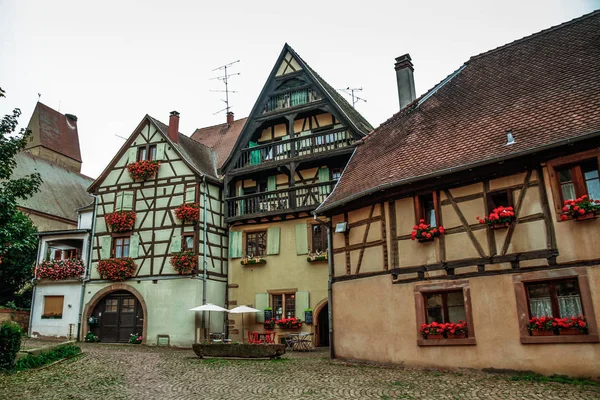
304	342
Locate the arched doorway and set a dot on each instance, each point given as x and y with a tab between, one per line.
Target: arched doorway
119	314
323	326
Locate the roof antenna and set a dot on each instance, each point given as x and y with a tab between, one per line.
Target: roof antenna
225	78
39	97
350	92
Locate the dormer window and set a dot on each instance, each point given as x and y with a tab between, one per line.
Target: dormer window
147	152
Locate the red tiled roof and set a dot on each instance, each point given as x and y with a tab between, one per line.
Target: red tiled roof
220	138
58	132
545	88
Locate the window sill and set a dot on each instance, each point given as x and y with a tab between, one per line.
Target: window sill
447	342
591	338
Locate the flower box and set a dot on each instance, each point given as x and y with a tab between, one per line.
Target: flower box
500	218
185	262
542	333
434	337
253	261
188	212
449	330
116	269
59	270
316	257
580	209
425	232
570	331
289	323
120	221
143	170
550	326
458	336
52	316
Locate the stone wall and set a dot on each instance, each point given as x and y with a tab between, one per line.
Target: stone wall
20	317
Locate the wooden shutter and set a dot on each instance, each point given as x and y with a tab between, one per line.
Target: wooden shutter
261	301
119	201
105	243
241	203
254	155
54	304
302	304
134	245
273	235
301	239
235	244
286	146
190	194
176	244
324	177
127	200
132	154
160	151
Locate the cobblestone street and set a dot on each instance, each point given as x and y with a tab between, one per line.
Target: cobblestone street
139	372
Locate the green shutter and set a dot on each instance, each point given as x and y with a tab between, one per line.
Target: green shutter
176	244
127	198
235	244
190	194
119	202
160	151
105	243
324	177
254	155
241	203
272	183
132	155
261	301
286	146
301	239
273	240
302	303
134	245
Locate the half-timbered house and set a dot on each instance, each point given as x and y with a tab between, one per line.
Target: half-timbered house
286	159
164	263
516	127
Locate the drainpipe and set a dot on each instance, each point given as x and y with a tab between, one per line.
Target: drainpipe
329	284
204	248
37	260
86	273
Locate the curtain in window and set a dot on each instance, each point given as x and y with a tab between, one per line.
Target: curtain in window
569	306
540	307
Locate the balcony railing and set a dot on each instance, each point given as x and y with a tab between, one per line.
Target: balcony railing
291	99
279	201
302	145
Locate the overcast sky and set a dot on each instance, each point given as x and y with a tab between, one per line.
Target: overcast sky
112	62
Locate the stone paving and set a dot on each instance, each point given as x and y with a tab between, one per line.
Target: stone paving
139	372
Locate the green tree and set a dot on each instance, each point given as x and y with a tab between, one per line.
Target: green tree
17	241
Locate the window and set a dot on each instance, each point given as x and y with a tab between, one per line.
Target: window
284	305
188	241
128	305
147	153
336	173
120	247
53	306
579	179
111	305
445	307
559	299
256	243
57	255
426	208
319	238
499	198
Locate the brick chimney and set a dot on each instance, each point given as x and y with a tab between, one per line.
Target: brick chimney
174	126
230	118
405	79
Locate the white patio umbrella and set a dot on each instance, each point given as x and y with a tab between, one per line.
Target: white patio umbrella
209	307
242	310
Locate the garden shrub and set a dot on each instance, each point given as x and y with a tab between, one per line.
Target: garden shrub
10	343
58	353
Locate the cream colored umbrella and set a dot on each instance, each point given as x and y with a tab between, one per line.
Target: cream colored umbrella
242	310
209	307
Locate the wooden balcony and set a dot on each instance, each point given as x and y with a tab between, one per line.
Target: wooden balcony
279	152
264	204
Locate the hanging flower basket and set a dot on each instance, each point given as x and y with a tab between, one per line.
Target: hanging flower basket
184	262
290	323
500	218
188	212
450	330
143	170
249	260
120	221
58	270
117	269
580	209
317	256
425	233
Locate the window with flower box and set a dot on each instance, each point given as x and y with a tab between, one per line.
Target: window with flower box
499	198
53	307
562	293
284	305
426	208
445	303
147	152
256	243
120	246
188	242
318	238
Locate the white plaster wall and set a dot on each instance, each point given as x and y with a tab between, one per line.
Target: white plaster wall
56	327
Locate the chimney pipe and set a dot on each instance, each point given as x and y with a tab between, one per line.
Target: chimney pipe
174	126
405	79
230	118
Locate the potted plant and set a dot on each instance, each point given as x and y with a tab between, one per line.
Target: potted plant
270	323
61	269
116	269
542	326
184	262
500	217
580	209
251	260
120	221
433	330
291	323
425	232
188	212
317	256
576	325
457	330
91	338
143	170
135	338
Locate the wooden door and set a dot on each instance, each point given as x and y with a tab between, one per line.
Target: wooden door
119	316
323	326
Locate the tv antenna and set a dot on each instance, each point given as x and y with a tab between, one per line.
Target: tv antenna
350	92
225	79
